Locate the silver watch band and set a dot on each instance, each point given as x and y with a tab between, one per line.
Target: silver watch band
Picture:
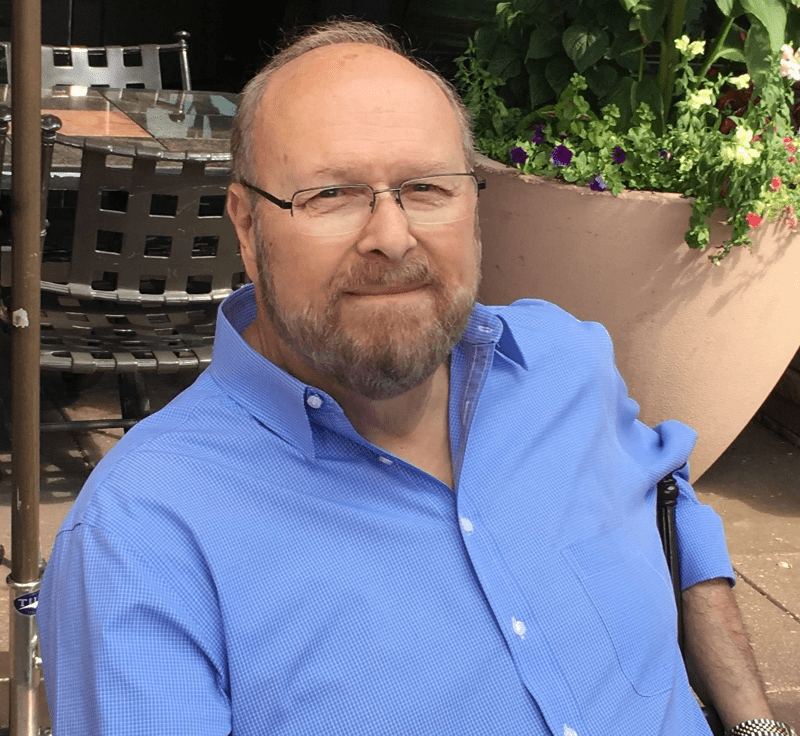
761	727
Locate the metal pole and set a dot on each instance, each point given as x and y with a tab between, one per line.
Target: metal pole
25	578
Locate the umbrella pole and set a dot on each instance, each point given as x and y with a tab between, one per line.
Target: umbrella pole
26	226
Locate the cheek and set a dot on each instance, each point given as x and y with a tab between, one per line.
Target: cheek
459	254
301	273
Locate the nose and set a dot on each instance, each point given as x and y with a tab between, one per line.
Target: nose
387	231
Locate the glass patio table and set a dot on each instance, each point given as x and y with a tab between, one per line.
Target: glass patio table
163	120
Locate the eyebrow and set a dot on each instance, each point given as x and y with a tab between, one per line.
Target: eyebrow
346	173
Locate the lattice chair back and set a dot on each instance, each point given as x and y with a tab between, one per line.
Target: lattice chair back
150	229
97	337
110	66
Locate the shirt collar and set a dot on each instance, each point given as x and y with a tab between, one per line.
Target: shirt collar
277	399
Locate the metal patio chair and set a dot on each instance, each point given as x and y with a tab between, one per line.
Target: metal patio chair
110	66
134	286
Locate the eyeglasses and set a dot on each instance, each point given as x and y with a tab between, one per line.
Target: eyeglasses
346	208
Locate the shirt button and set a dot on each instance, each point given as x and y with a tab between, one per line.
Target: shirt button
519	628
385	460
314	401
466	524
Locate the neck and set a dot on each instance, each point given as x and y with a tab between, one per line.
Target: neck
413	425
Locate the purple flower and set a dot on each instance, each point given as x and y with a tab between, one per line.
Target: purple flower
665	154
561	156
598	184
518	156
538	134
619	155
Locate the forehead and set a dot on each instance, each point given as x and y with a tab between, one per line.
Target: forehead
342	105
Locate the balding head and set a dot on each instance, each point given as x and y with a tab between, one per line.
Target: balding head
355	41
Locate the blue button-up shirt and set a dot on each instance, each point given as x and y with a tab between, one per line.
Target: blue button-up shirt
245	561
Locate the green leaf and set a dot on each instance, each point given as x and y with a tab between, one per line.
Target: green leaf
731	54
584	46
771	14
543	42
758	55
505	62
725	6
793	23
648	91
602	79
692	20
485	40
558	72
539	89
625	49
651	16
622	96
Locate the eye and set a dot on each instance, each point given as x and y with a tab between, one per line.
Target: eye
422	186
330	193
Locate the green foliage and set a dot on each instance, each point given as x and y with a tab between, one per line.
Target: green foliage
578	74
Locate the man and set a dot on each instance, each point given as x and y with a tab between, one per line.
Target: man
383	509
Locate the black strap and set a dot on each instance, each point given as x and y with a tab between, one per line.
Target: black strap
666	500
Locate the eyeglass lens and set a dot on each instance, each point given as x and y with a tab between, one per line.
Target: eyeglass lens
426	201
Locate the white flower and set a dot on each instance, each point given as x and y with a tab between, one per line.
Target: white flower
789	63
741	82
746	155
700	98
743	135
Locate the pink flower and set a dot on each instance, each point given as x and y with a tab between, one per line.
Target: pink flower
753	219
776	183
792	159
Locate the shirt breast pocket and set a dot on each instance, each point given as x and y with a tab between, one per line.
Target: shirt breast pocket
635	604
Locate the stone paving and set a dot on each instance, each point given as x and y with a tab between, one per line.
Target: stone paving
755	486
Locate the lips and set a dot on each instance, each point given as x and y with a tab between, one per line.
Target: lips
384	289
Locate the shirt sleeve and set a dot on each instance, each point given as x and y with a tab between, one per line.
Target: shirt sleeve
666	448
702	549
123	651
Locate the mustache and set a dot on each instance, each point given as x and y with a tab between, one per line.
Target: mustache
369	273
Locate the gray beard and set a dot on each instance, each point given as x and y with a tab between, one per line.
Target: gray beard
385	354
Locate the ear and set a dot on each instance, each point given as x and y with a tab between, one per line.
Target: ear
242	214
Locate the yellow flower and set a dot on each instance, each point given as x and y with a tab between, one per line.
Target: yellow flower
697	47
740	154
682	43
741	82
688	48
700	98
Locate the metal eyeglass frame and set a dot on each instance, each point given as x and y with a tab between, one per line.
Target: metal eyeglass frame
287	205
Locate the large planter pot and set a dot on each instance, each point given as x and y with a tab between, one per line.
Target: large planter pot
696	342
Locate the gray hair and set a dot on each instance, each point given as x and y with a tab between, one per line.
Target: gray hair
330	33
